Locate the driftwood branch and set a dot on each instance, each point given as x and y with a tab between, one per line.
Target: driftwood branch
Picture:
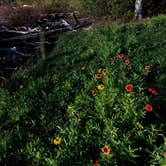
34	35
14	32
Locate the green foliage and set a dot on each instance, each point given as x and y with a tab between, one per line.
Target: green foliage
60	98
154	7
113	9
122	9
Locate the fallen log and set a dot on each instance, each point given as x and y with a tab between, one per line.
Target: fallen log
34	35
13	51
13	32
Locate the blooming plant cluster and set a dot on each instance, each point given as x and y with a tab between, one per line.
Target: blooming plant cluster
129	88
96	102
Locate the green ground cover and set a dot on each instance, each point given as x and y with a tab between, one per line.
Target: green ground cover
98	99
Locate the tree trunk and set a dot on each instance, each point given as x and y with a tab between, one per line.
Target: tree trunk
138	9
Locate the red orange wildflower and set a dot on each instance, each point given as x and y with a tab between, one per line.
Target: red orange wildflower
105	150
153	91
104	71
129	88
147	67
121	56
126	61
113	58
148	108
98	76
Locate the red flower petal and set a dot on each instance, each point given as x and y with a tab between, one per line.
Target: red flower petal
153	91
106	150
129	88
164	155
121	56
96	163
150	89
148	108
126	61
98	76
147	67
113	58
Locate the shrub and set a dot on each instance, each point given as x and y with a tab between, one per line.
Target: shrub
154	7
121	9
21	16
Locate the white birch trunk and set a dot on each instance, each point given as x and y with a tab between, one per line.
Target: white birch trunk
138	9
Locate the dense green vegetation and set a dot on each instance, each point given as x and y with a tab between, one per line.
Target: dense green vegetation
61	113
112	9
